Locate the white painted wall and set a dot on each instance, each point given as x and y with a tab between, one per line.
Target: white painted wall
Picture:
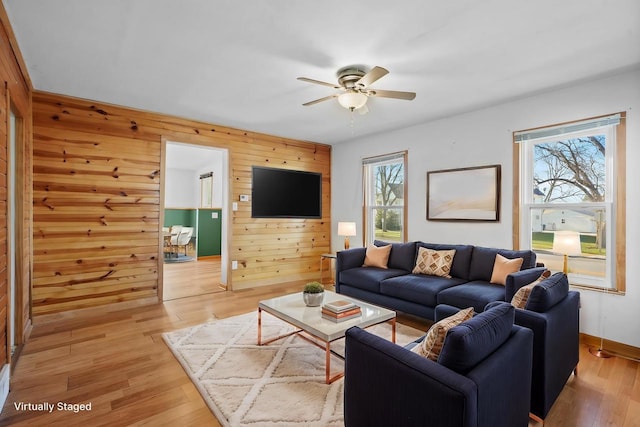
484	137
184	164
181	188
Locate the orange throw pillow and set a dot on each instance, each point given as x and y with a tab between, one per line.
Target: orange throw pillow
502	267
377	256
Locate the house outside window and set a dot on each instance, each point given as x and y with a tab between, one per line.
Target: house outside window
385	197
571	208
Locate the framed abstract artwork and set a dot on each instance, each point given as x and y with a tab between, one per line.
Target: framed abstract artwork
465	194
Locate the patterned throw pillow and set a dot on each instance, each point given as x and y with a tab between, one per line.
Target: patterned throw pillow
377	256
434	263
502	267
521	297
431	345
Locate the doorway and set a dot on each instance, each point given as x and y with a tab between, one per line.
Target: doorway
194	218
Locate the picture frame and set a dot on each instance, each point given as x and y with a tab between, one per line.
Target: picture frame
464	194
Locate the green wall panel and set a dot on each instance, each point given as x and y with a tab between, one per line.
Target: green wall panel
184	217
209	232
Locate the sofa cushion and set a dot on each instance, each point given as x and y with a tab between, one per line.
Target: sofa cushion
472	294
431	345
482	260
434	263
368	278
461	261
521	297
417	288
402	255
472	341
548	293
377	256
502	267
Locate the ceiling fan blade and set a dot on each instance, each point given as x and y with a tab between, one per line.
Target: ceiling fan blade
318	82
392	94
326	98
373	75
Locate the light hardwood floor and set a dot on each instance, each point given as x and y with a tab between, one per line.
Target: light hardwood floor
187	279
116	359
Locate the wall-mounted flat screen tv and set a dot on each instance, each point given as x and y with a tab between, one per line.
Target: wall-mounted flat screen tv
285	193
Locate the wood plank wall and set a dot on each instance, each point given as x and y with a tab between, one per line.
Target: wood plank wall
97	181
15	94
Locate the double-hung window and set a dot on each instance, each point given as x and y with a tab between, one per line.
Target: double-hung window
385	198
571	199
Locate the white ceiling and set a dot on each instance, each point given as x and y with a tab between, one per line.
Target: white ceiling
235	63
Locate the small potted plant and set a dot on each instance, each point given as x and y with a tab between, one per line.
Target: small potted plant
313	294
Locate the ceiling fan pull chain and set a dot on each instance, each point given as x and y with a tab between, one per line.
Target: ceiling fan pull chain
352	123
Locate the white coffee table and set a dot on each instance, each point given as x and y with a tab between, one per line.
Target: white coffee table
291	309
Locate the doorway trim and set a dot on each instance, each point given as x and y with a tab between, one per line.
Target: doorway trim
226	210
17	328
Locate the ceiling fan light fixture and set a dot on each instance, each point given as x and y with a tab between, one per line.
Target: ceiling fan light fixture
352	100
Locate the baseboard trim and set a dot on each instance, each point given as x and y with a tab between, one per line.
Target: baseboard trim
209	257
615	348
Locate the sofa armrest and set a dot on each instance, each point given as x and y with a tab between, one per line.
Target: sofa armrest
350	258
347	259
386	384
519	279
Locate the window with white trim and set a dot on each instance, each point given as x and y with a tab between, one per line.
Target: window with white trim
206	190
571	203
385	197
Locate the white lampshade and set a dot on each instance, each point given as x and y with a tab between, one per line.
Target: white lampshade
352	100
346	229
567	242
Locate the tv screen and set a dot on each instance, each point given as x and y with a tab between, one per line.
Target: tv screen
284	193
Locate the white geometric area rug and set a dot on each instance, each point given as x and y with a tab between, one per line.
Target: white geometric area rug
281	384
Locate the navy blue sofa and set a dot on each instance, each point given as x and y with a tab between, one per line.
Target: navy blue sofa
482	377
397	288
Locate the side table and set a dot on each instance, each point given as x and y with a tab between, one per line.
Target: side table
331	257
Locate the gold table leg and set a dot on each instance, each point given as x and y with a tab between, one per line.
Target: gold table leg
393	330
327	345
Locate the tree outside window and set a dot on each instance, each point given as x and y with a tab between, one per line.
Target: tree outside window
570	180
385	194
572	171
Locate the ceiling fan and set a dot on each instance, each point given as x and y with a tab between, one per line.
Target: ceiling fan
354	84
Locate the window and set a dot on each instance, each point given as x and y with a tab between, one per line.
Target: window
571	201
206	190
385	195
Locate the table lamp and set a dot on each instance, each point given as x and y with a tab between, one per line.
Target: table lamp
567	243
346	229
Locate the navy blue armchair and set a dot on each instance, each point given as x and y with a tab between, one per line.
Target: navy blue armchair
482	377
552	313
